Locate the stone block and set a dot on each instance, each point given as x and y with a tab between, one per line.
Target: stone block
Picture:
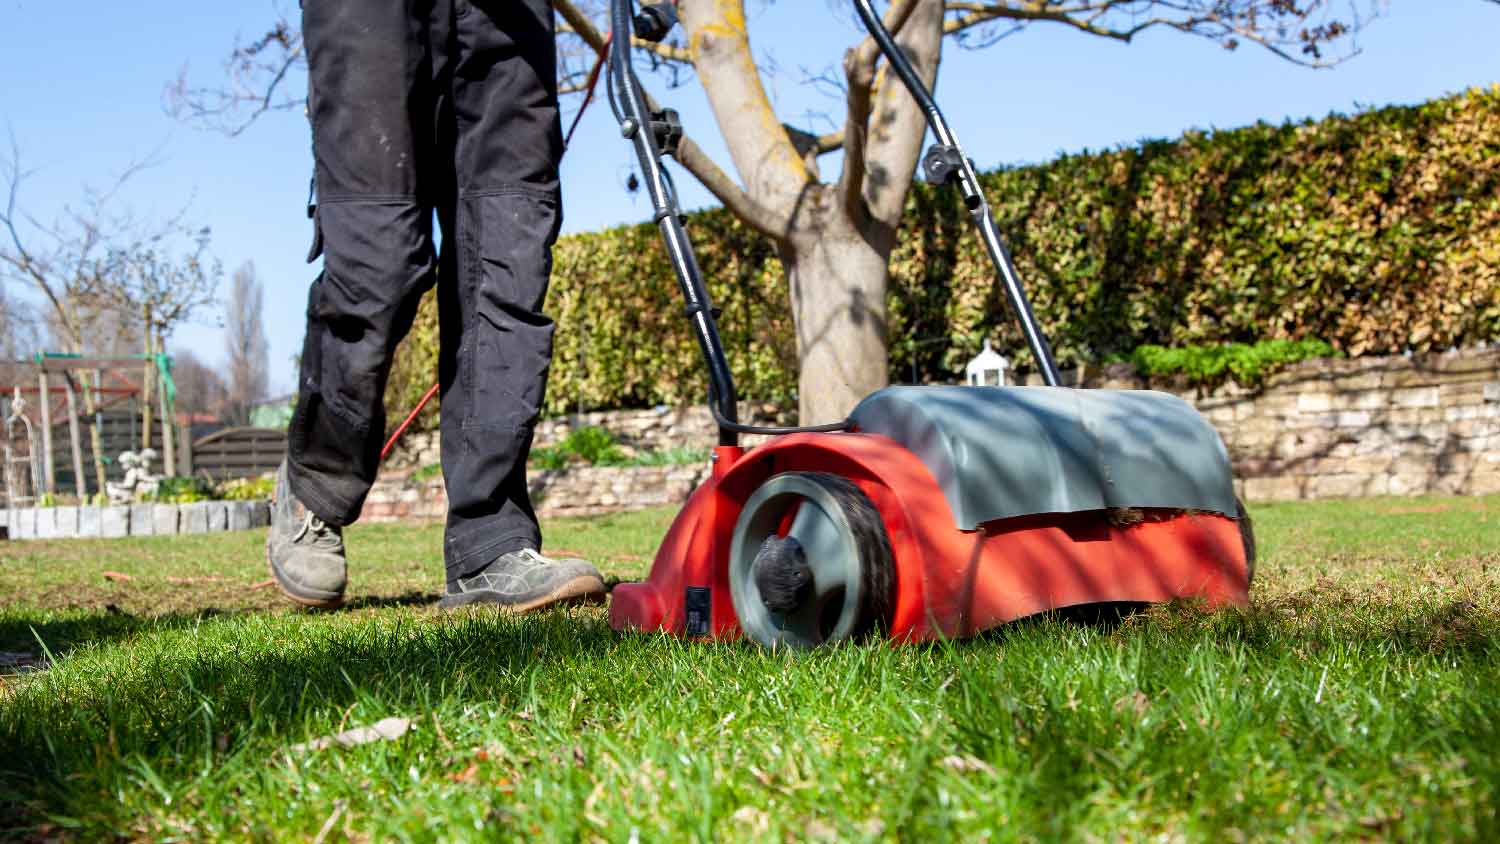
23	525
1483	483
114	522
1278	488
1451	395
90	520
1492	391
1409	483
1465	412
46	523
240	514
1352	419
193	518
142	521
1370	400
65	522
1340	486
1314	402
260	514
164	519
1417	397
1369	464
218	516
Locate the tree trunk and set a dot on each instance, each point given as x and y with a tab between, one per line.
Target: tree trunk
838	286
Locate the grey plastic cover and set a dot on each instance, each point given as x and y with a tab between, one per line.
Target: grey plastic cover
1001	452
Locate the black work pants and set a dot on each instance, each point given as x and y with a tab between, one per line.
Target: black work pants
423	108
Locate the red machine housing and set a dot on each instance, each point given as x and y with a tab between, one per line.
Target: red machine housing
950	583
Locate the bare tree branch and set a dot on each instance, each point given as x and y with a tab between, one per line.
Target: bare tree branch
256	74
859	72
767	163
726	190
1296	32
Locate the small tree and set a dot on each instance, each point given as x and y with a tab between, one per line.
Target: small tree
245	344
201	390
109	281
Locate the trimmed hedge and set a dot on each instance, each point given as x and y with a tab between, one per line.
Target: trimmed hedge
1377	232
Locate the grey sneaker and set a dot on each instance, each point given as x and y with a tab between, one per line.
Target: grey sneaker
525	580
306	553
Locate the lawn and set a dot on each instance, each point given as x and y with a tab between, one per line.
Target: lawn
1358	699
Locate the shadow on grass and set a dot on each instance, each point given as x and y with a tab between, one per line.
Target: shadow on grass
1454	628
60	631
64	736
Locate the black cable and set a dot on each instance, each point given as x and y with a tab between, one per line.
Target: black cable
739	428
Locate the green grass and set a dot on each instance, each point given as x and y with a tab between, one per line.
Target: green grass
1359	699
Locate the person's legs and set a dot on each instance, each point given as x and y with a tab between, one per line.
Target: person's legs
370	107
497	342
368	73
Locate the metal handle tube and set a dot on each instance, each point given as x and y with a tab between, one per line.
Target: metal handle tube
973	196
636	124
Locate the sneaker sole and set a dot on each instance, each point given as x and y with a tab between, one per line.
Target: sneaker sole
298	595
584	589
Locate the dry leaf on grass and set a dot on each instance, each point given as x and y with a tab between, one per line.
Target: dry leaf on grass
968	764
1136	702
115	575
386	729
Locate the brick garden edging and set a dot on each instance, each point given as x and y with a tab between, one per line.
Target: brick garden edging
113	522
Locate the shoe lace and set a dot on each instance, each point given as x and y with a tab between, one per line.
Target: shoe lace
323	534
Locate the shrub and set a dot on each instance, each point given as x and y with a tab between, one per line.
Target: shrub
1377	232
1209	366
247	489
184	490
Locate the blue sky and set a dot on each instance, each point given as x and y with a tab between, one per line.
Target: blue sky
81	89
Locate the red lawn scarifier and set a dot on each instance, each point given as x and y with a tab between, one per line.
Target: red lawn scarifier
931	512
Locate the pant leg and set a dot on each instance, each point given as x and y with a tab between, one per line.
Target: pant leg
497	342
370	106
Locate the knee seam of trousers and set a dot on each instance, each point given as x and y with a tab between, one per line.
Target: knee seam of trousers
372	198
510	190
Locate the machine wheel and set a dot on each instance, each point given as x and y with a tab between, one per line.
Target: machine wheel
810	562
1247	536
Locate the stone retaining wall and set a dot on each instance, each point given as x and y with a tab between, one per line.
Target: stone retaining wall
657	429
1320	429
583	491
133	520
1345	428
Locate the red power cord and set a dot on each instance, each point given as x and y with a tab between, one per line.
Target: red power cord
588	98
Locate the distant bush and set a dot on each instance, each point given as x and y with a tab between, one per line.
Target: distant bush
1246	364
185	489
247	489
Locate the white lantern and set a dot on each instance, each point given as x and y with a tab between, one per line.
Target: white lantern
988	368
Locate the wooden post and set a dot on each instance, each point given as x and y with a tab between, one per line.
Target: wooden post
148	378
78	479
168	423
49	472
91	401
185	454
